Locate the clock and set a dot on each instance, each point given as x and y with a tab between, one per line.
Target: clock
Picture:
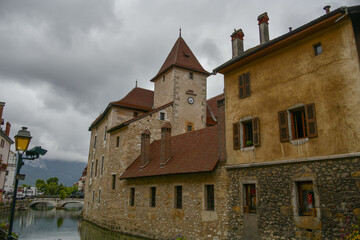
190	100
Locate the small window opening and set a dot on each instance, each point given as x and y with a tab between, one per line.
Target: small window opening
210	200
132	196
117	141
178	197
298	123
152	196
317	49
306	198
189	128
99	195
113	181
163	78
250	198
136	114
191	75
248	133
162	116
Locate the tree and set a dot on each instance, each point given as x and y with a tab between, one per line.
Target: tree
62	194
54	179
40	185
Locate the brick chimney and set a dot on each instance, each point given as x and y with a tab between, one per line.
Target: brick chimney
165	153
221	129
264	28
145	148
7	131
327	9
2	104
237	41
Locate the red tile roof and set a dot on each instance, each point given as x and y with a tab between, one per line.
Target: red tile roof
137	98
181	56
212	110
192	152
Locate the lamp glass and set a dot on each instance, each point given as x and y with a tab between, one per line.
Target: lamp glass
22	143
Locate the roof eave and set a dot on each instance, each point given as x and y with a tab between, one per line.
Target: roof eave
7	138
177	65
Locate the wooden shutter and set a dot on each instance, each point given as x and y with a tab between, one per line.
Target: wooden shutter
236	135
256	131
311	120
283	126
247	84
241	86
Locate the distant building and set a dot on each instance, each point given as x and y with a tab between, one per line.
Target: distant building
82	180
293	131
5	143
10	173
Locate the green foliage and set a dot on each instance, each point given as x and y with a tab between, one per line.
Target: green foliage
52	187
54	180
62	194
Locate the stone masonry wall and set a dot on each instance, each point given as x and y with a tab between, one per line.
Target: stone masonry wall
337	199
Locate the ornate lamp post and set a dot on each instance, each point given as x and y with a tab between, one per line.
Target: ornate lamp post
22	141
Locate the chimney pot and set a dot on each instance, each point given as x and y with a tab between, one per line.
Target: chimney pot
237	40
165	153
327	9
263	20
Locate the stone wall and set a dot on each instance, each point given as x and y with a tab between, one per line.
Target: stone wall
337	199
164	221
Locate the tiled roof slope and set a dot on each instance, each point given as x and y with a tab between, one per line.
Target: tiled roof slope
191	152
137	98
181	56
212	110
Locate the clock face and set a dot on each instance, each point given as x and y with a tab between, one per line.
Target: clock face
190	100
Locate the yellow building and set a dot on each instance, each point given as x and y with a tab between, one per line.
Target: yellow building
292	129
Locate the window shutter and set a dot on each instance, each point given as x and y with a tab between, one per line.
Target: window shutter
247	84
283	126
311	120
256	131
236	138
241	86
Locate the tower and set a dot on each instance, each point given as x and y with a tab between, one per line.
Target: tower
182	80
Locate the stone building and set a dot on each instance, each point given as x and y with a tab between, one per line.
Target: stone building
292	130
5	143
137	180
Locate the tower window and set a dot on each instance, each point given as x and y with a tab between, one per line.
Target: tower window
317	49
162	116
178	197
189	127
132	196
191	75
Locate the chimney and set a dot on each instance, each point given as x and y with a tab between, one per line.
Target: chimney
264	28
2	104
237	41
145	148
8	126
327	9
165	153
221	129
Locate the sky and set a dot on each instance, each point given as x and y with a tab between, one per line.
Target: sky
62	62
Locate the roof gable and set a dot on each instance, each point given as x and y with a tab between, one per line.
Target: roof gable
191	152
181	56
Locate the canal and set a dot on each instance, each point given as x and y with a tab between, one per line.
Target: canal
48	223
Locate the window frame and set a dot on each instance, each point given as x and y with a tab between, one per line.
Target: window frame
239	138
244	85
132	197
317	48
96	166
113	182
2	144
152	202
300	198
209	197
117	141
162	116
246	198
191	75
102	165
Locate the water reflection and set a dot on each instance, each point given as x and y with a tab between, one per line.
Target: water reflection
47	223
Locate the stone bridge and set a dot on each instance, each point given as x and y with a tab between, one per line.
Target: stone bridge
57	202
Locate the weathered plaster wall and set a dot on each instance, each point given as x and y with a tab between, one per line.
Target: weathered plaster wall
164	221
337	198
294	75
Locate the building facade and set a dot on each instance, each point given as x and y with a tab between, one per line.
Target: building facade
292	130
10	173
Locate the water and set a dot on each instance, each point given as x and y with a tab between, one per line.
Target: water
47	223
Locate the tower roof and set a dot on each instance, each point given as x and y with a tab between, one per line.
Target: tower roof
181	56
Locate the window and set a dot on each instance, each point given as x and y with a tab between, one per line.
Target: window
244	85
99	198
95	141
189	127
96	166
113	181
132	196
117	141
92	169
191	75
105	133
102	165
317	49
246	133
164	78
178	197
2	143
93	196
136	114
162	116
306	198
300	119
1	157
152	196
249	198
209	198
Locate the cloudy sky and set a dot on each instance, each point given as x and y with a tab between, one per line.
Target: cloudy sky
62	62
